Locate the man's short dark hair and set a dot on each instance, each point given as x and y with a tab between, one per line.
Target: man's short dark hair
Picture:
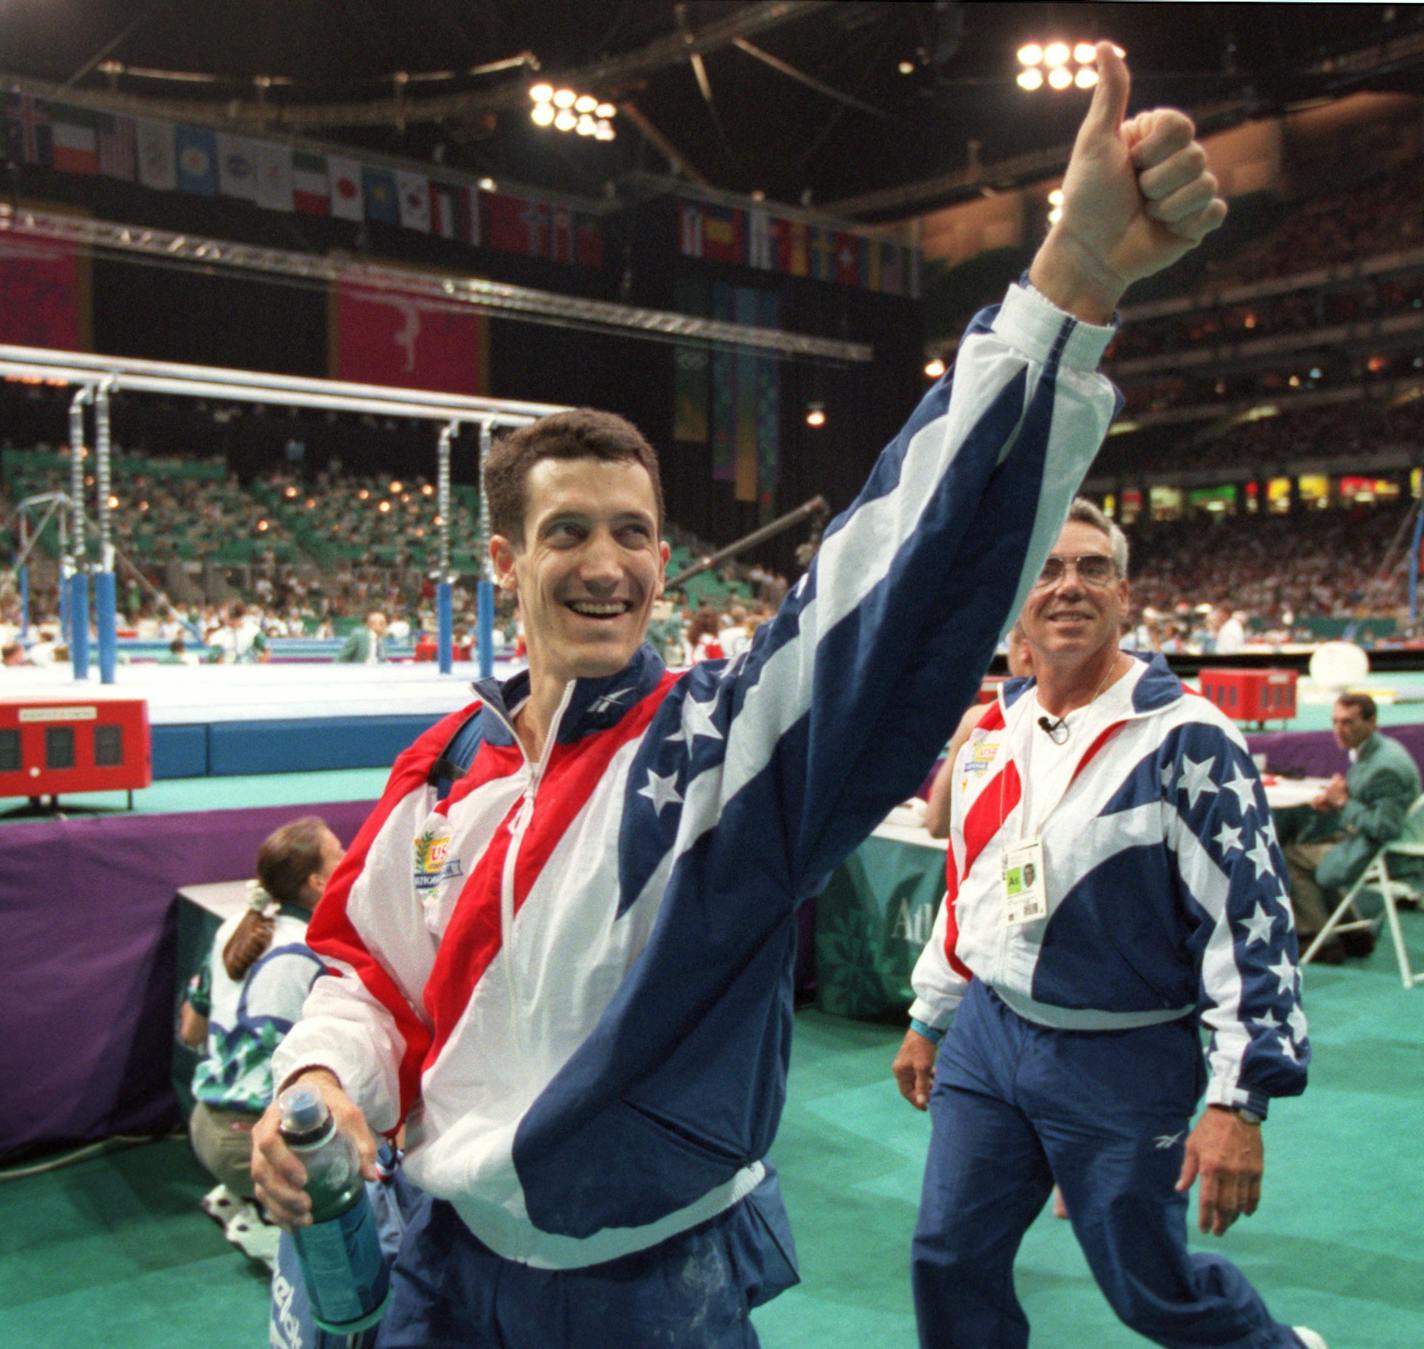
1362	701
579	434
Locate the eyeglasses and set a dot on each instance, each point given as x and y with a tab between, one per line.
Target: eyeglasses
1093	569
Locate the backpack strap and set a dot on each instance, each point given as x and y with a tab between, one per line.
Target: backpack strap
455	760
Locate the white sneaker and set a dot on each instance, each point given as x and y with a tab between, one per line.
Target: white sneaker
220	1204
253	1236
1310	1338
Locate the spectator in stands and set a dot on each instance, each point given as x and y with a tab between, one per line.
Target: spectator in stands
1228	632
365	645
1354	815
704	637
241	1004
12	653
239	639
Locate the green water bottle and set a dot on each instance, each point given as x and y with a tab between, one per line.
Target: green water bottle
340	1253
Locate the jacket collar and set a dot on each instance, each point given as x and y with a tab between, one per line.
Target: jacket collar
1157	690
594	705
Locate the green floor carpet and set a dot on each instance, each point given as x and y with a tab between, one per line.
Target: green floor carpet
114	1252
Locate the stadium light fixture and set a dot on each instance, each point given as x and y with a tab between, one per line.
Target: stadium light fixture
815	415
1059	65
935	368
566	109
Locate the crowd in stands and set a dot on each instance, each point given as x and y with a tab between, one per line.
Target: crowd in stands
1380	216
1280	569
1314	431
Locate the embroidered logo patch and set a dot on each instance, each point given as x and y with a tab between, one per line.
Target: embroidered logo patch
433	863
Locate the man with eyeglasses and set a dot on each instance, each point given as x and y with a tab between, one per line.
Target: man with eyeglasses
1114	883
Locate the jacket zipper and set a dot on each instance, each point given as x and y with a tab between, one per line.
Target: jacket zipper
517	827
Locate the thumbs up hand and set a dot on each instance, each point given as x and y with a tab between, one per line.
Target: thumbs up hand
1137	197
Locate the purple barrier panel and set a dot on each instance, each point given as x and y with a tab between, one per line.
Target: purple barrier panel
1315	753
88	965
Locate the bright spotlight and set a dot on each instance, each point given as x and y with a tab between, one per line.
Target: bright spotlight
934	369
586	126
1030	54
585	103
1086	77
541	93
605	132
604	111
1055	54
1055	198
1030	79
565	120
1055	215
815	415
542	114
1059	77
564	98
1085	53
906	67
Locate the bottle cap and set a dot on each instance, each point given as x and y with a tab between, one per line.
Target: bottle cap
303	1110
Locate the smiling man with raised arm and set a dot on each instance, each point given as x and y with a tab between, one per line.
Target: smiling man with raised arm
570	976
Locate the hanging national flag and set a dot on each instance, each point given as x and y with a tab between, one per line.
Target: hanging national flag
723	381
237	167
588	243
823	254
759	250
414	190
798	252
347	195
722	234
454	212
311	193
75	139
382	198
197	152
516	225
157	156
118	147
747	307
892	270
689	229
870	264
561	234
28	135
274	176
847	259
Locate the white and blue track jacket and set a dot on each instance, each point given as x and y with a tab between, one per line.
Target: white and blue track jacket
571	978
1166	890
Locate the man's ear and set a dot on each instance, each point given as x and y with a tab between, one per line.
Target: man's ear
502	555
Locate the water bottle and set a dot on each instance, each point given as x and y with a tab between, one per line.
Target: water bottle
340	1253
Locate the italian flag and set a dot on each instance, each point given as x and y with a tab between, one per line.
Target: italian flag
311	193
76	140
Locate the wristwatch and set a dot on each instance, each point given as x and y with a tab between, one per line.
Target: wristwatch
1246	1116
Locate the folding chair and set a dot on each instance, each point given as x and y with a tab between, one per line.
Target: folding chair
1376	877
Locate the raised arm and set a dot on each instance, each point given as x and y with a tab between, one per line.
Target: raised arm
849	692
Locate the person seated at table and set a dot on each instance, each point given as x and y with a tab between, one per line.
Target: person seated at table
239	1007
937	812
1353	816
